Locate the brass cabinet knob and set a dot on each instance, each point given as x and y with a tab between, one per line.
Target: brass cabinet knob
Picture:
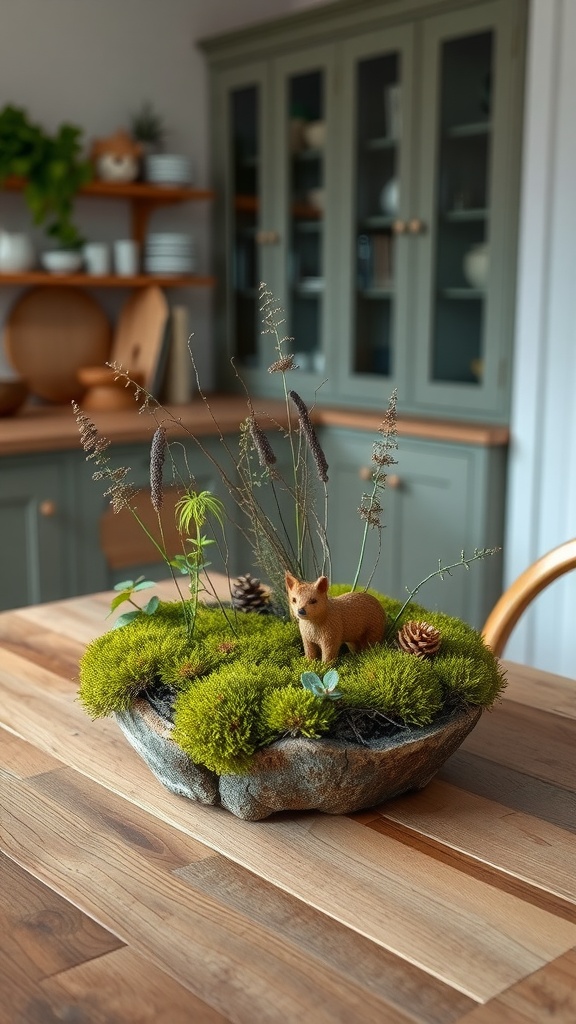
47	508
267	237
416	226
393	481
399	227
365	472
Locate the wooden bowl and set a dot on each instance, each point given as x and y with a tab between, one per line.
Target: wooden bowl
13	394
104	392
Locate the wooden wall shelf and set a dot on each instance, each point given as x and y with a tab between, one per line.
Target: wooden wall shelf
40	277
143	197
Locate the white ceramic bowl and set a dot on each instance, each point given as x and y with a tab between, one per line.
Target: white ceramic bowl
61	261
475	266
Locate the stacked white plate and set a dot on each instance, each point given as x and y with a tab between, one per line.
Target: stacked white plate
169	252
168	169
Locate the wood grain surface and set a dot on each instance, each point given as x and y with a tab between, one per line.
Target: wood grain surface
121	902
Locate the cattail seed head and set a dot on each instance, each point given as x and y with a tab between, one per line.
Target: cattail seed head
261	443
311	437
157	456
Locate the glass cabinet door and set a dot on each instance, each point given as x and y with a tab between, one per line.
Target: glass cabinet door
244	202
378	116
459	289
304	173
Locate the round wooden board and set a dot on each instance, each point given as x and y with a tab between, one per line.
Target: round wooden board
51	332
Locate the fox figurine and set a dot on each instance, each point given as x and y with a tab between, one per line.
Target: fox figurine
355	619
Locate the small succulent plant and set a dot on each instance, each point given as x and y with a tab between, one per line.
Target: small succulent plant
326	687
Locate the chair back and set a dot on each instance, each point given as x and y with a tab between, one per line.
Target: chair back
523	590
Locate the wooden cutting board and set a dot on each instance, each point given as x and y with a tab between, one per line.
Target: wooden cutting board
140	333
50	333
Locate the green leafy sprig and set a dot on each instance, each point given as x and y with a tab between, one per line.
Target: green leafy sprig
126	589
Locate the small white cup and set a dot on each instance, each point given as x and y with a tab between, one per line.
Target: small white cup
96	258
126	257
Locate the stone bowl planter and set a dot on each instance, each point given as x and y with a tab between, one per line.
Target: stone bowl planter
301	774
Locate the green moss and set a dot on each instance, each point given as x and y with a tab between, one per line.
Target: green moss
295	711
239	677
473	680
398	685
217	721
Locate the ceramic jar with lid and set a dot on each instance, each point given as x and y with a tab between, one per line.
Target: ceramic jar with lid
475	265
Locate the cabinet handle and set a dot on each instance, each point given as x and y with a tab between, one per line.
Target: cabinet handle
399	227
416	226
47	508
267	237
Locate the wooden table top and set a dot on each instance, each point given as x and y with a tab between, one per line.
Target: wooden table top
121	902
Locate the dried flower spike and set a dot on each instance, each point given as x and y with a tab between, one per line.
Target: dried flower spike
311	437
283	365
261	443
157	456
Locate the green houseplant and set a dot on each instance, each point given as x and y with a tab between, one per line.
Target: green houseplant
52	167
221	701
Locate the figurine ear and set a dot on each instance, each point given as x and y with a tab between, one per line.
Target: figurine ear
322	584
291	580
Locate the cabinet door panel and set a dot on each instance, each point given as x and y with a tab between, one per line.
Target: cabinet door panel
377	183
36	539
243	152
467	203
435	509
305	116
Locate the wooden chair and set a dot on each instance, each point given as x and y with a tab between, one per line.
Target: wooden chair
523	590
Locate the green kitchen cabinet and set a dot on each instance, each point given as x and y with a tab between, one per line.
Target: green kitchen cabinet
366	157
441	499
38	536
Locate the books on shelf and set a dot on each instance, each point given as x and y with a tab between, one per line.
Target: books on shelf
374	261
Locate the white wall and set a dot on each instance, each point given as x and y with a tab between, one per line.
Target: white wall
92	63
542	482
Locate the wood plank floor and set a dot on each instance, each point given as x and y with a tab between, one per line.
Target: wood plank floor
120	902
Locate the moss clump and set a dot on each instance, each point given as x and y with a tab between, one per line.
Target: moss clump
293	711
237	679
470	680
118	665
217	721
397	685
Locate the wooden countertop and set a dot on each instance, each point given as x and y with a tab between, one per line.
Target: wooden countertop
53	428
123	902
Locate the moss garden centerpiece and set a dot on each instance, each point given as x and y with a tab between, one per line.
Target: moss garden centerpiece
229	702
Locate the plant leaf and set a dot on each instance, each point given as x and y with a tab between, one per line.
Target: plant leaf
127	585
144	585
331	679
152	605
310	681
119	599
122	620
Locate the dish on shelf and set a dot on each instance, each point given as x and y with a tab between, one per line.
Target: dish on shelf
13	394
311	284
50	333
62	261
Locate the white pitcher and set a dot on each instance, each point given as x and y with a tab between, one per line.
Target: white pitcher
16	252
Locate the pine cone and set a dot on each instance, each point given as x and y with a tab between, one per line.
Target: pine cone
419	638
250	595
